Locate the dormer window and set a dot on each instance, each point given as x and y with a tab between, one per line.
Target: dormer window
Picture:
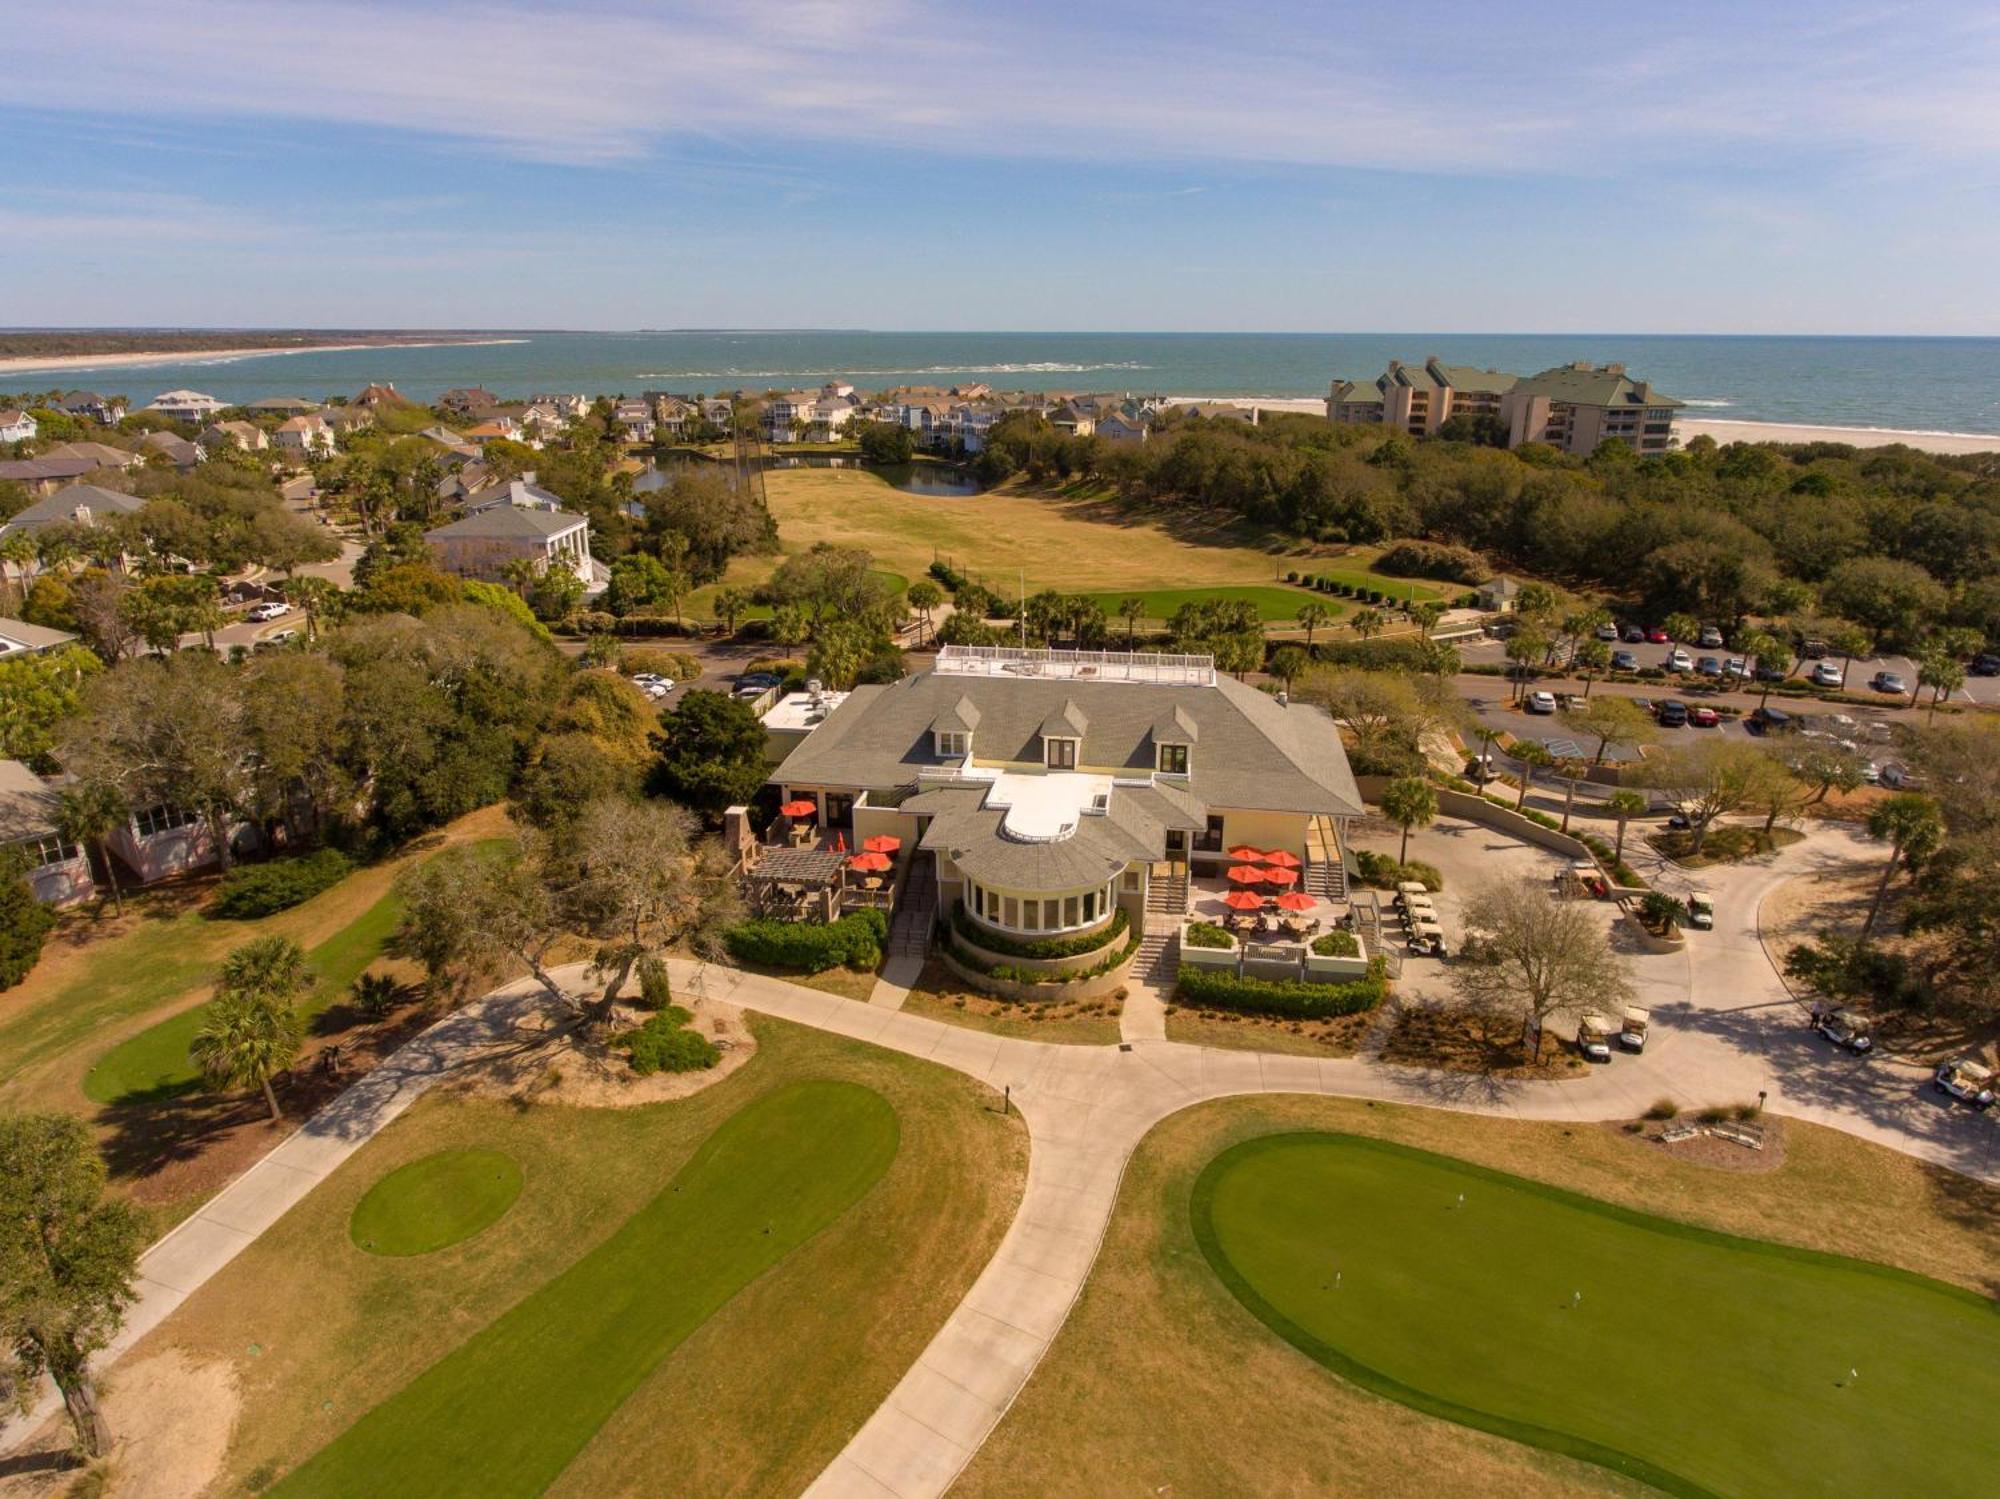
953	744
1058	753
1173	759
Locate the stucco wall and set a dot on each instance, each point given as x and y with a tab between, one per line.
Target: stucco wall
1091	988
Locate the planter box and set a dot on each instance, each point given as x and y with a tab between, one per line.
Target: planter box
1321	970
1209	957
1038	965
1091	988
1652	941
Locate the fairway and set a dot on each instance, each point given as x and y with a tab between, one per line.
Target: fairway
440	1200
1695	1361
506	1412
1275	603
154	1064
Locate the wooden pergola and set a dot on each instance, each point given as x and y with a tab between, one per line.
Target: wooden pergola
797	884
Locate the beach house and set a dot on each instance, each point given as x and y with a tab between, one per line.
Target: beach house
16	426
513	522
185	406
57	870
1574	407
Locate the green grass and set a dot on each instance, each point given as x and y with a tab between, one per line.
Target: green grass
1697	1362
154	1063
1361	577
1275	602
506	1412
434	1202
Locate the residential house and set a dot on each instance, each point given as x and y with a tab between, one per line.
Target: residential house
671	415
178	451
247	436
468	399
74	504
494	430
58	871
719	411
1499	595
571	408
1118	426
283	405
19	638
543	421
378	395
106	411
345	421
1072	421
185	406
304	435
452	441
63	465
1214	411
16	426
1043	792
161	841
634	419
510	522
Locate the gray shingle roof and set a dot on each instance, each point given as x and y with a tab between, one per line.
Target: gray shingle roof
962	717
17	635
27	803
64	504
1067	722
507	523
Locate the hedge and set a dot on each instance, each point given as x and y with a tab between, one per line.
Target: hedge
1008	973
809	946
1431	559
665	1044
1385	873
1338	945
1209	989
1207	934
1038	947
260	889
24	922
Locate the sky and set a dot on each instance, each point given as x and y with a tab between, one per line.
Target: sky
1756	167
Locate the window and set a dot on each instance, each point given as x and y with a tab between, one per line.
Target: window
1089	906
1061	753
1069	910
953	745
1012	918
163	819
42	852
1174	759
1211	840
1131	879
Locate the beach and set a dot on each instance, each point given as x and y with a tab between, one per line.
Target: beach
28	364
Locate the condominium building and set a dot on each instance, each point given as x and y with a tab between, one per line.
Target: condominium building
1574	407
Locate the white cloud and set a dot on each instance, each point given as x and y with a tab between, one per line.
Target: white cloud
1579	90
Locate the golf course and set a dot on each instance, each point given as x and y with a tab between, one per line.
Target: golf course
1695	1361
507	1411
435	1202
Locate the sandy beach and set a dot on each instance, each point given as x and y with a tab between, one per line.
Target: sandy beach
29	364
1721	431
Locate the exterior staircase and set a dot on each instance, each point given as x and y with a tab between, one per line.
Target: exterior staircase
1326	871
916	912
1158	961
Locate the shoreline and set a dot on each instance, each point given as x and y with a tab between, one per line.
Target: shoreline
29	363
1945	444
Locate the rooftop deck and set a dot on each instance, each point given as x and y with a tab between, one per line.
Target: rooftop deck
1076	666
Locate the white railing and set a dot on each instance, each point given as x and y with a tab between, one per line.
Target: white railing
1084	666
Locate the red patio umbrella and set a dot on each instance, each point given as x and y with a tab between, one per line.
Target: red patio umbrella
1296	900
1243	900
871	863
1247	874
800	808
882	843
1245	851
1281	858
1281	876
840	843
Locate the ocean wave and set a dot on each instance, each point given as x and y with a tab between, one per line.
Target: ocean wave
1692	402
1049	367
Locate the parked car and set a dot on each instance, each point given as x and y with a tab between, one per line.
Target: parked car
1813	650
1736	667
1710	636
1965	1080
1768	720
1825	674
1540	702
1986	664
1672	714
755	683
275	609
653	684
1635	635
1708	666
1844	1030
1657	635
1889	681
1607	631
275	639
1766	672
1704	717
1899	777
1624	661
1871	774
1677	661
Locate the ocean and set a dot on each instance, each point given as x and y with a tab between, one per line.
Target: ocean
1924	384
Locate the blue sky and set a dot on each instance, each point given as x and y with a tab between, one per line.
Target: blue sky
1762	167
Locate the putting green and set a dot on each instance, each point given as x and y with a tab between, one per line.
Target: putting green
435	1201
1697	1362
505	1412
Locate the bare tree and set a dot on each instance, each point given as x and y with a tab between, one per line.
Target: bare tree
1537	956
1707	780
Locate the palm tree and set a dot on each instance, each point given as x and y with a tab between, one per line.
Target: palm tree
1848	642
1409	802
1623	805
275	966
87	814
520	575
731	604
1287	661
1912	827
1939	670
1367	622
1311	616
247	1037
1427	615
315	598
1762	647
1530	754
1132	610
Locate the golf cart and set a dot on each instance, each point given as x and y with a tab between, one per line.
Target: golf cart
1632	1031
1967	1081
1593	1038
1701	910
1845	1030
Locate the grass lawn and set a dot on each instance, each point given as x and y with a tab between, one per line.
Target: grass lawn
1726	844
435	1202
1335	1037
1698	1362
1275	602
939	995
505	1412
1131	1384
601	1272
100	976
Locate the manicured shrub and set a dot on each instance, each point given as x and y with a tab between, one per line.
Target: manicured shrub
656	990
1430	559
665	1044
1038	947
24	922
260	889
810	946
1207	934
1207	989
1385	873
1009	973
1337	945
